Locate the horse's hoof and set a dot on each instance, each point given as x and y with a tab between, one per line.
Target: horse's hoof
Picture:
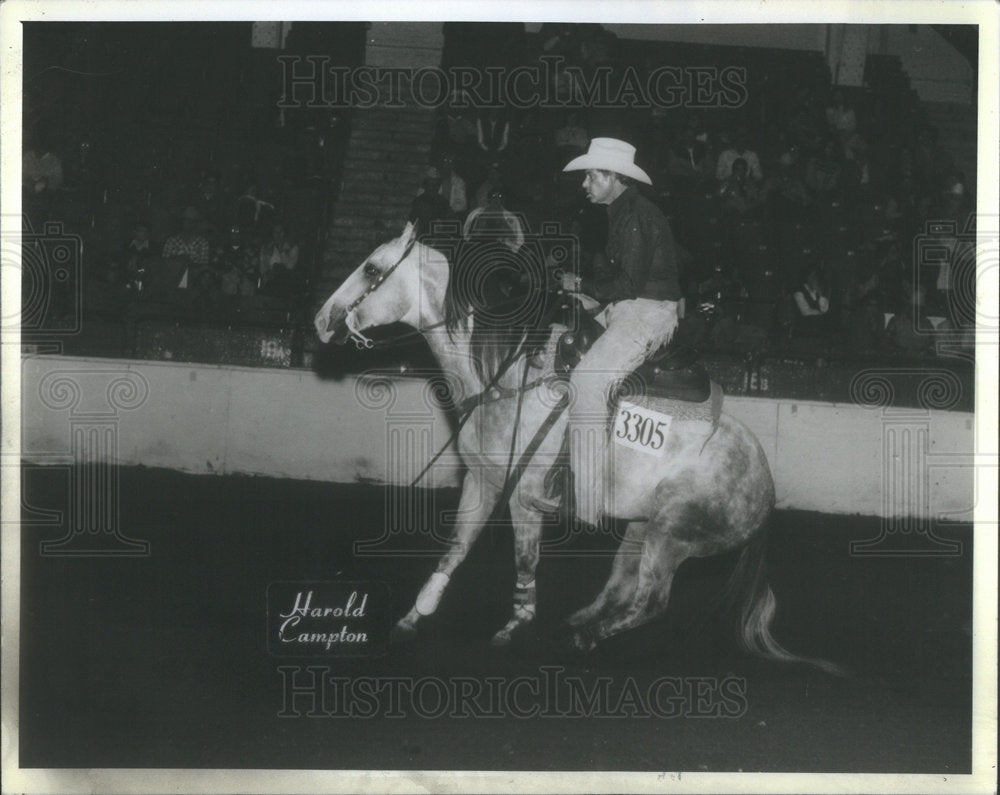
582	642
508	634
403	632
567	639
578	618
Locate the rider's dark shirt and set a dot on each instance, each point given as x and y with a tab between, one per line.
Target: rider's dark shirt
641	257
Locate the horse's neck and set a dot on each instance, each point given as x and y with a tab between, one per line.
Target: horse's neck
453	353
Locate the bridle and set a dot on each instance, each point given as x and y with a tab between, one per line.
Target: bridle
491	392
362	342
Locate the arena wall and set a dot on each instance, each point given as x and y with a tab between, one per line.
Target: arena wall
829	457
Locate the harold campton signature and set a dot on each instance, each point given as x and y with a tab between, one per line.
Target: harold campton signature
291	630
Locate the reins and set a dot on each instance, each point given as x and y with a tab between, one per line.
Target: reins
491	392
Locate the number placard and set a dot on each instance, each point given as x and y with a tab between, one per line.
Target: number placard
641	428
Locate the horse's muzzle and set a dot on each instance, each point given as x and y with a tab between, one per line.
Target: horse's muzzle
332	325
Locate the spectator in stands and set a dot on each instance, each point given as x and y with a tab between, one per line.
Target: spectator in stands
494	222
237	265
739	149
813	306
571	139
689	160
136	257
211	207
561	40
785	191
953	204
278	259
41	167
803	132
429	205
187	252
492	182
529	138
42	176
492	135
456	133
859	174
865	319
452	185
840	117
910	331
253	212
822	175
739	192
696	121
951	211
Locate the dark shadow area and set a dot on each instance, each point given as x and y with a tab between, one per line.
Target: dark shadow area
162	661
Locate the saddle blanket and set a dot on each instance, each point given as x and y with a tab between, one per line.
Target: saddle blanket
677	410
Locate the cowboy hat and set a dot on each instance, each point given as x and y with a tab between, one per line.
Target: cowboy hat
610	154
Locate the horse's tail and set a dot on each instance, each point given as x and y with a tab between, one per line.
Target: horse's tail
749	592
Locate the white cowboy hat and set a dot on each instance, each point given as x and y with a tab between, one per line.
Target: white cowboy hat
610	154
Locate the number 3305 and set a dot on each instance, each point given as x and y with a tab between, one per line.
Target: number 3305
640	429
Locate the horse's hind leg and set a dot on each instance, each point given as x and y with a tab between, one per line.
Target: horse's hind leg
527	536
655	569
474	507
621	583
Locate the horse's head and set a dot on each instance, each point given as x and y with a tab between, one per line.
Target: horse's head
399	282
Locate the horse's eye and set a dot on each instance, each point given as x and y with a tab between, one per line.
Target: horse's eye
371	271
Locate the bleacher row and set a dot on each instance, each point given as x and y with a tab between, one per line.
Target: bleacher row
745	267
147	116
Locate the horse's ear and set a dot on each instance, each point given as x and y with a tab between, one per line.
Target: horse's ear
409	232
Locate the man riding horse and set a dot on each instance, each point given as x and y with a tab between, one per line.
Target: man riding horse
638	283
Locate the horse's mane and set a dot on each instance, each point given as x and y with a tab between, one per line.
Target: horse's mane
487	283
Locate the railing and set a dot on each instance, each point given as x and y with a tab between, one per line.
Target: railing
255	339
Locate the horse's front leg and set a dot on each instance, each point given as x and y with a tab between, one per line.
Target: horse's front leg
477	501
527	525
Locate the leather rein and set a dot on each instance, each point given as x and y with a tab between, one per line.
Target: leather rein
490	393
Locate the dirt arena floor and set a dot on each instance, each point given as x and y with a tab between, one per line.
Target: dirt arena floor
164	660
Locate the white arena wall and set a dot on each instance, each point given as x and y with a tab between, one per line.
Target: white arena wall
287	423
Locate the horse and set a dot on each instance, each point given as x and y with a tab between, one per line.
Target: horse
711	492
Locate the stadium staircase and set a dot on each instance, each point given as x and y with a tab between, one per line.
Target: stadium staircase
387	153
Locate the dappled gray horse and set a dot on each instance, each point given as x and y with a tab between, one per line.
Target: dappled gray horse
710	492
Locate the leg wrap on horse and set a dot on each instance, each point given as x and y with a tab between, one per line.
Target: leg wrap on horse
430	594
524	599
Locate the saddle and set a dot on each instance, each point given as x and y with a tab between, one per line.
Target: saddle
672	375
672	372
